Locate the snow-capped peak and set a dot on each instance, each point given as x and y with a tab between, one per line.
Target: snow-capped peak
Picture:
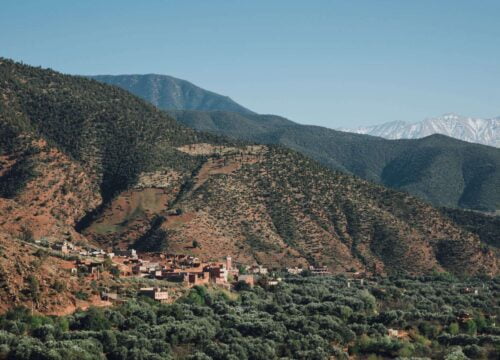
477	130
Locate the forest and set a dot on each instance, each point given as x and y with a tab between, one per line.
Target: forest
303	317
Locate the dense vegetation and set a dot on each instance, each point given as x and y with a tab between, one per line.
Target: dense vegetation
167	92
301	318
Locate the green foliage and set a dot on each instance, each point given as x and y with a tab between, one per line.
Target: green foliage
454	329
81	295
471	327
33	288
306	318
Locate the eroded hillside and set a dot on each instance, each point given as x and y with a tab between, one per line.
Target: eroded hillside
278	208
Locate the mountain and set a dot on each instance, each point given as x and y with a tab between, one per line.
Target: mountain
167	92
439	169
93	164
476	130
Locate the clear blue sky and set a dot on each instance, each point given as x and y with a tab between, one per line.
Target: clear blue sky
331	63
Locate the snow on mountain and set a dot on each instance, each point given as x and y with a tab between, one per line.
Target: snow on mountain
476	130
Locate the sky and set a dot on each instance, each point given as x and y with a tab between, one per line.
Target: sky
331	63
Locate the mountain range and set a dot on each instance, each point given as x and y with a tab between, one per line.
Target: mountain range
476	130
93	164
438	169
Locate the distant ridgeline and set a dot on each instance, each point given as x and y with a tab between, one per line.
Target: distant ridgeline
441	170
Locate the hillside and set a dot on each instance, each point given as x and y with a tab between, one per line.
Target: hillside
476	130
443	171
90	163
438	169
167	92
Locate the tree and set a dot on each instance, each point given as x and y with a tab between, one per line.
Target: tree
454	329
471	327
241	286
26	235
33	288
115	271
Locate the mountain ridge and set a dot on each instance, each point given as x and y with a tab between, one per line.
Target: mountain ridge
436	168
166	91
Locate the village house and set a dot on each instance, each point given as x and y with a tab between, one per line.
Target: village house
321	270
294	270
172	276
97	252
218	273
248	279
107	296
393	332
126	253
147	268
89	267
194	279
83	252
274	282
123	269
258	269
64	247
198	273
155	293
132	261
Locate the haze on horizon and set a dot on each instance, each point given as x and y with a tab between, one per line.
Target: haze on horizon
329	63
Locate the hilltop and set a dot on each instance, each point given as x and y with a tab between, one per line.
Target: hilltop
91	163
167	92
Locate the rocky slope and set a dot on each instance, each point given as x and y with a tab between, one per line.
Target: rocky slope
476	130
79	155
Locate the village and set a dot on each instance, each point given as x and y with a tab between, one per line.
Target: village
186	271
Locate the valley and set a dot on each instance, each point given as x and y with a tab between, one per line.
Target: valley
145	216
109	204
